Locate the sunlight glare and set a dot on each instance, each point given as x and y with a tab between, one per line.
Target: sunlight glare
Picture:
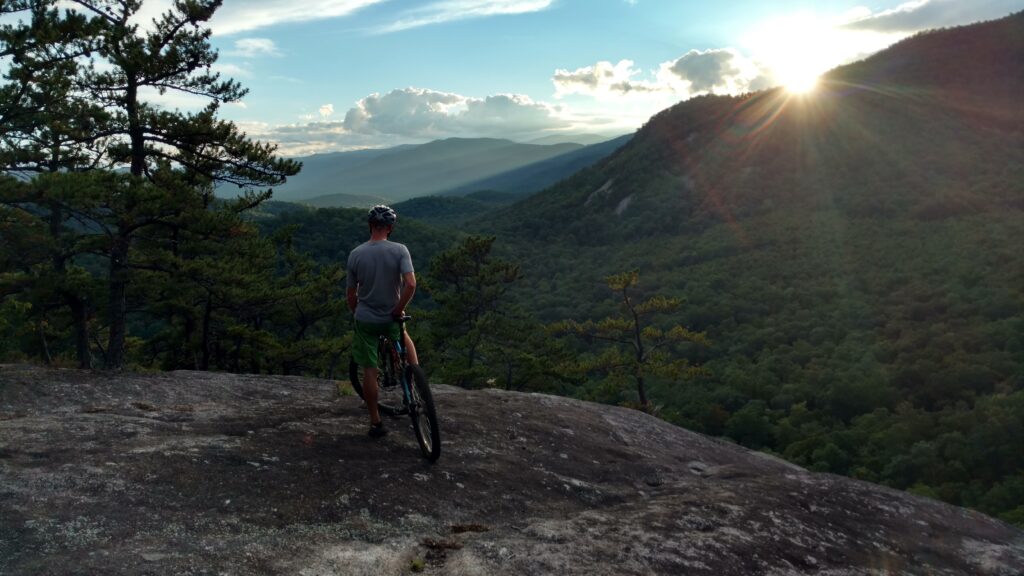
799	81
799	48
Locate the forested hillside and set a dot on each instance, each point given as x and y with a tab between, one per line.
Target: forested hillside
834	277
852	255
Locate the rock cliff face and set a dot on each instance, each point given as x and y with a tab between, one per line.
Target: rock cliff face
199	473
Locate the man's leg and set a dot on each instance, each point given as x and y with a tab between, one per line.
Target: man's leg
410	350
364	351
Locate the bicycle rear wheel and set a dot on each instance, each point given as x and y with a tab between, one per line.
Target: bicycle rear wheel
424	415
355	377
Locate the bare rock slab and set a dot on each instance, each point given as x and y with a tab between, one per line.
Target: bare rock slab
202	473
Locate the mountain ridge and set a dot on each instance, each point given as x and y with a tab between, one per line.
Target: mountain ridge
533	177
449	166
852	254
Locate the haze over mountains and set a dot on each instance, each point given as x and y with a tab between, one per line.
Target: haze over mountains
456	166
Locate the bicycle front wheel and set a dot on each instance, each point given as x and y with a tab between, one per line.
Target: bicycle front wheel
424	415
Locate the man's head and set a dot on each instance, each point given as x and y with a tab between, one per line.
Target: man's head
381	217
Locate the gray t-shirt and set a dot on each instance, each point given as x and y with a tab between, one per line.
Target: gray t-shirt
375	269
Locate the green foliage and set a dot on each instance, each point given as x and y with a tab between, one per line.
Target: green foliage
854	255
453	210
328	234
70	121
14	319
628	346
476	337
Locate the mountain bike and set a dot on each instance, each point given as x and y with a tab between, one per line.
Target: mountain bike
402	389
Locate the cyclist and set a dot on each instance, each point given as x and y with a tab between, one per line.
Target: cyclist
380	283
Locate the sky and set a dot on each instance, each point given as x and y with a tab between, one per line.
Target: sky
337	75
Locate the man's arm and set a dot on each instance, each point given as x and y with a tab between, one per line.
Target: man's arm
408	289
353	298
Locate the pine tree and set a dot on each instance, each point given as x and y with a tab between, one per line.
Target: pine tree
46	127
125	64
469	287
479	336
633	348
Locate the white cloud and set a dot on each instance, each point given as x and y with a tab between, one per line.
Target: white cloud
254	48
508	115
720	71
920	15
240	16
419	115
408	112
315	137
173	99
232	70
602	79
451	10
287	79
245	15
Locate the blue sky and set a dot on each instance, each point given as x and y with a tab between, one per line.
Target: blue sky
328	75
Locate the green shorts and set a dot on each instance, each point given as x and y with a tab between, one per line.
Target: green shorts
364	341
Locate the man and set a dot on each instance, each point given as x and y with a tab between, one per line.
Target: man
381	282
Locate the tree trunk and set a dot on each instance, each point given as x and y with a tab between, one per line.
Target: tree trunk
118	302
80	315
207	312
333	365
119	252
42	337
642	393
135	133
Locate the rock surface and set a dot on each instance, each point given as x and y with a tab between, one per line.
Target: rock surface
200	473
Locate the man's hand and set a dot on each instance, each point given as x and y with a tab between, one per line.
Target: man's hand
352	298
408	289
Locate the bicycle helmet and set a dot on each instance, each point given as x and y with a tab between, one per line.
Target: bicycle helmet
382	215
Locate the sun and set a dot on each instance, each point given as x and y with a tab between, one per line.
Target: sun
797	49
800	82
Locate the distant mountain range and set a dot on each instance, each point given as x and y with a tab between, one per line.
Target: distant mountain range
539	175
452	166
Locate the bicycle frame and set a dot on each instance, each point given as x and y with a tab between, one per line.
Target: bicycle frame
417	399
397	348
